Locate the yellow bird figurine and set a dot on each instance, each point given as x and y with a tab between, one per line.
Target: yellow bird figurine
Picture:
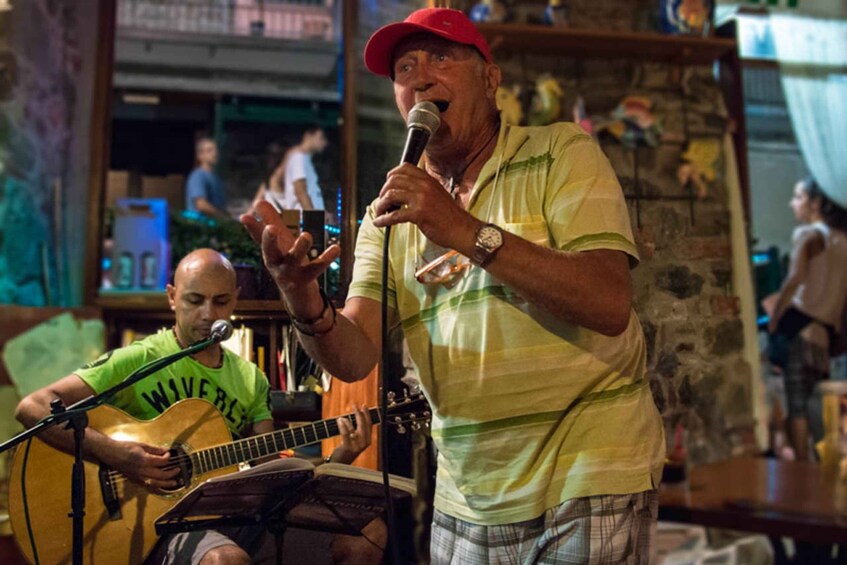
546	105
699	161
509	105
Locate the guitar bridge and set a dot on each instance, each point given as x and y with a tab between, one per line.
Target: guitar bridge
109	492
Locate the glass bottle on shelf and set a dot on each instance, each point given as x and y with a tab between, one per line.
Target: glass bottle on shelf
125	274
149	270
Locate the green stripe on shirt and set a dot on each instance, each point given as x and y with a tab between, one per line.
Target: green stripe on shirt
538	417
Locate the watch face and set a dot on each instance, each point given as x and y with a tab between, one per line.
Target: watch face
490	237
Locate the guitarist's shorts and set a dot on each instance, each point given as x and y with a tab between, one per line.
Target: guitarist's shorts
186	548
191	547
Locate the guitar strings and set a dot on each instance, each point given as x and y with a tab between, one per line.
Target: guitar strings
232	448
117	477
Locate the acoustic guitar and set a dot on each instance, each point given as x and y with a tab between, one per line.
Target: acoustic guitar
120	514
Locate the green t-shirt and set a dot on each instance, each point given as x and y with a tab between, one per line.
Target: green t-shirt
528	410
238	388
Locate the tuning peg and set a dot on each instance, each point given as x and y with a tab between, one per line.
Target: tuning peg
391	397
401	429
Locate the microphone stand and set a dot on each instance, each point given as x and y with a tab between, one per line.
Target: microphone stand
76	415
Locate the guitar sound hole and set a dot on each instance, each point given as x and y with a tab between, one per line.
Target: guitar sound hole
186	469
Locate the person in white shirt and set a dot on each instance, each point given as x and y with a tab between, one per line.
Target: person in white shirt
302	191
810	305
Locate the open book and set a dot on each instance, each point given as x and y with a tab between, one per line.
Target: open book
331	498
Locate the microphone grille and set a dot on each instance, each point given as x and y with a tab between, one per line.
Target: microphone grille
222	328
424	115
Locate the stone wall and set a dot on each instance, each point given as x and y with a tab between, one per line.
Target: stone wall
47	57
684	292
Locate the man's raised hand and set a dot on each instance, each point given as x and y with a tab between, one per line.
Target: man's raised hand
286	256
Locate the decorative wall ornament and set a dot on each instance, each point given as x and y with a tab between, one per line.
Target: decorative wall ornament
699	164
546	106
556	14
686	17
489	11
509	103
633	123
581	117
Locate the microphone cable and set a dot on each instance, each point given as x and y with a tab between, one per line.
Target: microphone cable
25	503
424	119
383	382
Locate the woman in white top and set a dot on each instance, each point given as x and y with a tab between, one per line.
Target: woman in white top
273	189
810	303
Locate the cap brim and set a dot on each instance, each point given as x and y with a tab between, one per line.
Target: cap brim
380	47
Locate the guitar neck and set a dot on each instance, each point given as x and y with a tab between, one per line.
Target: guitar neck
256	447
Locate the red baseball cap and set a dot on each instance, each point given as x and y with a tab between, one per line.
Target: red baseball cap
443	22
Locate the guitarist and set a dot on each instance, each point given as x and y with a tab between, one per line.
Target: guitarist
204	290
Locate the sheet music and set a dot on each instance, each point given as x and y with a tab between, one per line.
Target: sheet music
333	498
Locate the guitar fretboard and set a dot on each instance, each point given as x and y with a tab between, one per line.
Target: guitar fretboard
219	456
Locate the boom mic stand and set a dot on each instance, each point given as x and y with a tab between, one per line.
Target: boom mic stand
76	415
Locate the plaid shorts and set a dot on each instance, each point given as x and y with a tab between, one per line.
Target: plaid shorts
591	530
808	364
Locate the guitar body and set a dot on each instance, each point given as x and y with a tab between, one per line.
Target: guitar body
125	537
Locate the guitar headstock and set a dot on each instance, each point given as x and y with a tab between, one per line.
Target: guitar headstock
410	411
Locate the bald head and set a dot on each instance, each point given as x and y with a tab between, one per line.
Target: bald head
204	290
204	263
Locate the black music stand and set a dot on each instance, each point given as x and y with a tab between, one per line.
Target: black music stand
286	493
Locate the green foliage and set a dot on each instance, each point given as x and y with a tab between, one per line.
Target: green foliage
190	232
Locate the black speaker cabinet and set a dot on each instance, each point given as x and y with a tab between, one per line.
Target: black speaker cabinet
313	222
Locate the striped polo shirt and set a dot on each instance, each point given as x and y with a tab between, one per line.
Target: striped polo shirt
528	410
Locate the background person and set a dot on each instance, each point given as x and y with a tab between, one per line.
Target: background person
808	310
302	191
273	189
204	191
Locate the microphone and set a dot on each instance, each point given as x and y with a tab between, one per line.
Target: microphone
422	124
423	121
221	331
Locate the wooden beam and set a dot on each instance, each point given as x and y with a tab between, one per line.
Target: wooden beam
101	121
605	44
731	81
349	117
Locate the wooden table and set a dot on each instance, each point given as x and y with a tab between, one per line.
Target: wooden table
768	496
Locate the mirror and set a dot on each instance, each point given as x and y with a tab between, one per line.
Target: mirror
212	102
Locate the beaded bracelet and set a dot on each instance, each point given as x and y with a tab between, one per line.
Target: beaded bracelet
303	326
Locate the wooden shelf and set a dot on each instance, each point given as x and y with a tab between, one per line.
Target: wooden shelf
155	302
606	44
